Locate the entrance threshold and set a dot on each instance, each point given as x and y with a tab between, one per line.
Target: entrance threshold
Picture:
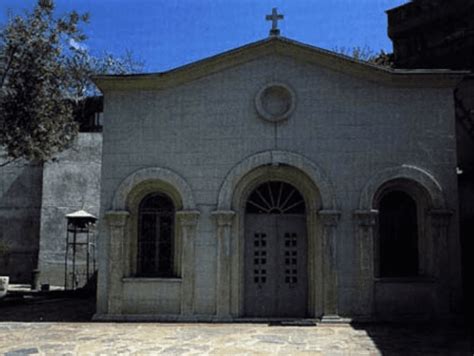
279	321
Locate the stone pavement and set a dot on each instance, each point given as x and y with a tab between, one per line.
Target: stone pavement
20	338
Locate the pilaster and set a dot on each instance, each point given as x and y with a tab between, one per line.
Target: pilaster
116	222
366	221
187	220
224	220
440	219
329	220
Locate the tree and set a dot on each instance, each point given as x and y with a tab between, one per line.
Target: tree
44	73
35	121
366	54
383	59
82	66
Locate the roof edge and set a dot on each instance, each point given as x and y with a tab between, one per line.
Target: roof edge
283	46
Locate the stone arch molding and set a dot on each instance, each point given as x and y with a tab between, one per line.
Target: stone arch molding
412	173
274	157
153	174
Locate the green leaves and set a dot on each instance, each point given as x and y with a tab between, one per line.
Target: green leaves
35	120
45	70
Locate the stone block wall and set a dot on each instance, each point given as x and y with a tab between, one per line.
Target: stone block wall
71	182
20	206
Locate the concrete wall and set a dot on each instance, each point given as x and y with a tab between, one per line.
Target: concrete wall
71	182
350	128
20	204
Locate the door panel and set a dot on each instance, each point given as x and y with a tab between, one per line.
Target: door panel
275	266
260	266
292	266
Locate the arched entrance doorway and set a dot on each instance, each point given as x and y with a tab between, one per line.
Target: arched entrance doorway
275	252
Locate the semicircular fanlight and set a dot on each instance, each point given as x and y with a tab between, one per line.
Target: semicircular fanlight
275	198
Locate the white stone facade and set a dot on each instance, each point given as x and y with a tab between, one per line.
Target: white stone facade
195	134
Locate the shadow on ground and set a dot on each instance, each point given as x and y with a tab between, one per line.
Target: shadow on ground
389	338
420	338
48	307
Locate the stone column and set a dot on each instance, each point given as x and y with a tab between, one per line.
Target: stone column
187	220
116	221
329	220
440	266
224	221
366	221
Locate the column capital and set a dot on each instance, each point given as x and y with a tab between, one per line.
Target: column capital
116	218
366	218
188	217
223	217
440	217
329	217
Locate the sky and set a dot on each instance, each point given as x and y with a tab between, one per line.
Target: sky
165	34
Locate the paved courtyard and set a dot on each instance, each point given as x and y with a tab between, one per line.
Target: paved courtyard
56	325
54	338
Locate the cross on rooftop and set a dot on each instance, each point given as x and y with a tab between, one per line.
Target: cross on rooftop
274	17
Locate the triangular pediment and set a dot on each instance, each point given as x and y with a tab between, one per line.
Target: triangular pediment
286	47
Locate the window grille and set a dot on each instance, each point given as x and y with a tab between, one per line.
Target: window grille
275	198
156	236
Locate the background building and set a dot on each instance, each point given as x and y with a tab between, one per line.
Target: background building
34	199
433	34
440	34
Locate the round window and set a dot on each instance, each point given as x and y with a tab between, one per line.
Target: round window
275	102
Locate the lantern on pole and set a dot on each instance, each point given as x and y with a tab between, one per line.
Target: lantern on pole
80	263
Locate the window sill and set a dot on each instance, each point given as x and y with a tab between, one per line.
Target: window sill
151	280
417	279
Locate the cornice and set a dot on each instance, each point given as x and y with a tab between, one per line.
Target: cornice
284	47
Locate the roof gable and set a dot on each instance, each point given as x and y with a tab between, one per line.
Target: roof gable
286	47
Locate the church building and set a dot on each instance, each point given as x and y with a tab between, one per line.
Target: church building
279	180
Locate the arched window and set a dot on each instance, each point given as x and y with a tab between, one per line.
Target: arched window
398	235
155	236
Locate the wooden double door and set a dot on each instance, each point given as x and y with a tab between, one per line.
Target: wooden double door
276	269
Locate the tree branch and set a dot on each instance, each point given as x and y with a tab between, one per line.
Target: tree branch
8	162
7	68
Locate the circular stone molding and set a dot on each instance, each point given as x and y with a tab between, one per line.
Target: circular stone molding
275	102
